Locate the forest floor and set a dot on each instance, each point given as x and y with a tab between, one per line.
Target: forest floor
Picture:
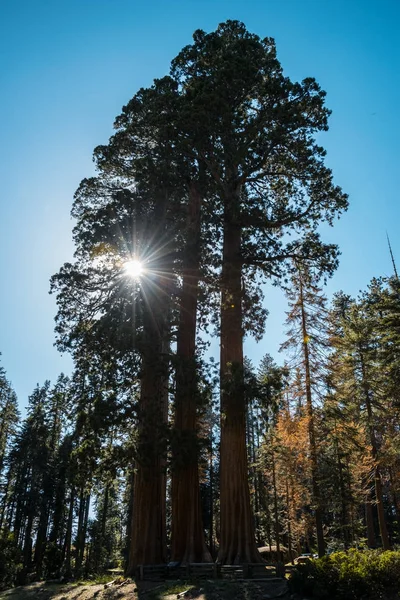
147	590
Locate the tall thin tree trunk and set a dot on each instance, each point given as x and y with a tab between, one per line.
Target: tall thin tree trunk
211	541
128	530
289	522
41	538
105	512
5	499
187	534
79	535
4	430
84	530
374	446
27	549
311	429
342	495
276	514
237	543
351	503
393	492
67	567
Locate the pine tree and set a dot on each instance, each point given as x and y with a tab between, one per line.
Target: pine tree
360	374
307	338
9	418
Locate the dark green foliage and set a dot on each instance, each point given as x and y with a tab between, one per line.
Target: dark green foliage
351	575
227	144
10	559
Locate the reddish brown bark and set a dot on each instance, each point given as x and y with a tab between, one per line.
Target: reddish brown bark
187	534
148	528
237	543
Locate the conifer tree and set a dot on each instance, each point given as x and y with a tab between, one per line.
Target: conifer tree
361	376
9	417
307	339
228	132
256	138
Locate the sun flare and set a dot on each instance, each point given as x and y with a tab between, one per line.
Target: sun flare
133	268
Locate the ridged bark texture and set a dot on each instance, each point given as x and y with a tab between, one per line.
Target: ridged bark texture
148	530
237	543
187	534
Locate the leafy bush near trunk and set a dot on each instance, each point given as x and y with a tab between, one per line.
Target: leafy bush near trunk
355	574
10	560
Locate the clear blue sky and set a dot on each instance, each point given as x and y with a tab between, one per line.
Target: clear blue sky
68	66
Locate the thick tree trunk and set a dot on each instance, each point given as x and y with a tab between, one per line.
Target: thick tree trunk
187	534
311	431
148	532
237	543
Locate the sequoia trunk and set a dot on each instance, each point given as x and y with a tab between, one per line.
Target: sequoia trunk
187	535
148	532
237	543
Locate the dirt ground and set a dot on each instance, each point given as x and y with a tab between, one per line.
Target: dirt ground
129	590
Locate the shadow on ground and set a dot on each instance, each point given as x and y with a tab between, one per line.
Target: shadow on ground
151	590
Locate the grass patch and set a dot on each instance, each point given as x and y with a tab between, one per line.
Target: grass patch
98	579
168	588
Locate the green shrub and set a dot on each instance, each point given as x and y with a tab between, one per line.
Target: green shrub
10	560
351	575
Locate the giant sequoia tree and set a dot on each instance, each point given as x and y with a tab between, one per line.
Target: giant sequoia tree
206	173
254	130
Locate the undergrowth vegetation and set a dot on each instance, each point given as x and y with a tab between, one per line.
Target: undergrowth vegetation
369	574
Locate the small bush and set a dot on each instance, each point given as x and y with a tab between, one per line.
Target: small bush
10	560
351	575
